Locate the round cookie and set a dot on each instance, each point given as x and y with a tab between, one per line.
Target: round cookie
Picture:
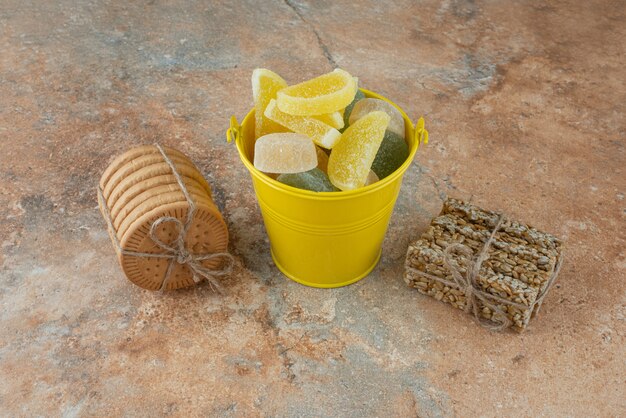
154	170
207	234
136	165
193	189
111	231
132	154
144	185
154	202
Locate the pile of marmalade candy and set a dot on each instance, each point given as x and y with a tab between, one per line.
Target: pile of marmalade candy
323	134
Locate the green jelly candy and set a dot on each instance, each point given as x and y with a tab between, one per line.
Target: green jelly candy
392	153
346	113
315	180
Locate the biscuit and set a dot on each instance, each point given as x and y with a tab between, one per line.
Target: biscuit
207	234
195	192
153	203
137	164
132	154
147	184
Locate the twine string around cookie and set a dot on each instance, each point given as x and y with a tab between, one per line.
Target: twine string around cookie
177	251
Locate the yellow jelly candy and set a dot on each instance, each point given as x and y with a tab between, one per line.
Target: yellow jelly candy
284	153
324	94
334	119
322	134
265	85
349	163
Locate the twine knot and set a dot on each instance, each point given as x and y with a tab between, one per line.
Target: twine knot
469	285
184	257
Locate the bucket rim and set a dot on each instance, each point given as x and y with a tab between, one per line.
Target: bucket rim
343	194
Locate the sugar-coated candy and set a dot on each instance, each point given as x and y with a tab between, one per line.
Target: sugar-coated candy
265	85
284	153
334	119
322	134
348	110
365	106
324	94
392	153
315	180
350	161
371	178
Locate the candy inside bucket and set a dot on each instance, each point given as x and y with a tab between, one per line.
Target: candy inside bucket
326	238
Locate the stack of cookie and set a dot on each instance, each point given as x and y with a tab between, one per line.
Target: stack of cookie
159	247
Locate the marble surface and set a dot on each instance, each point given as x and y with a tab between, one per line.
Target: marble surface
525	103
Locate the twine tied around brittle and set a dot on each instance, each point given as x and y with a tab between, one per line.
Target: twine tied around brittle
474	293
175	252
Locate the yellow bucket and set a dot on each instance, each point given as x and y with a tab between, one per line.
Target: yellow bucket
327	239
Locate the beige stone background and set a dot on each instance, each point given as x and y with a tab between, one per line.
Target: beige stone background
525	104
